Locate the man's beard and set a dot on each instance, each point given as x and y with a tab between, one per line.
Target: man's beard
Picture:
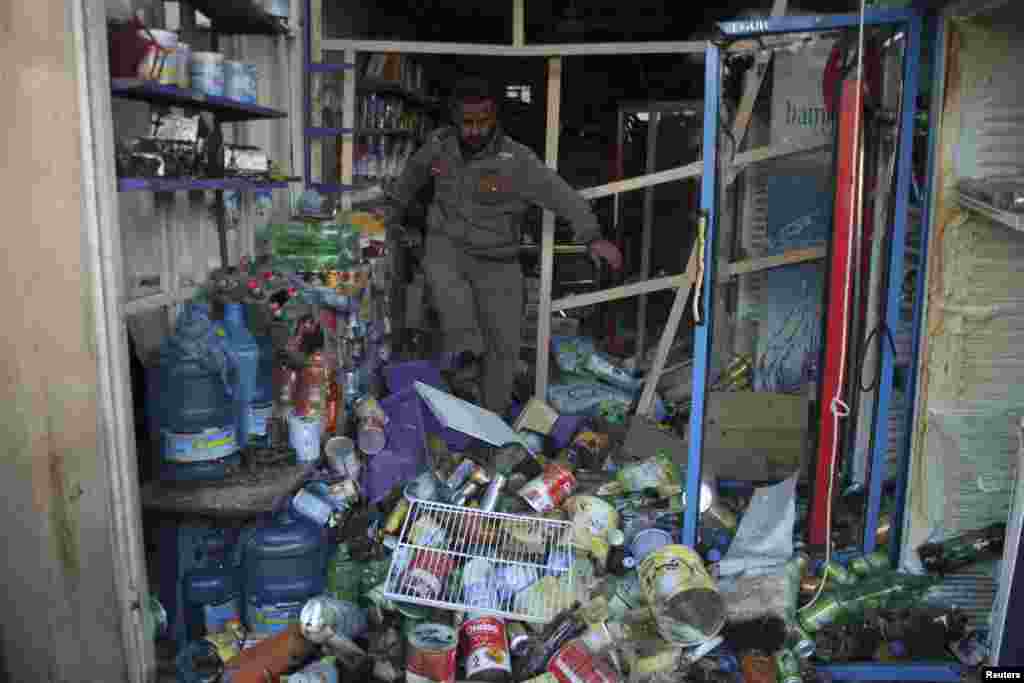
476	144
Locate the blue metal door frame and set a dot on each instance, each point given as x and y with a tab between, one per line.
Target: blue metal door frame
911	21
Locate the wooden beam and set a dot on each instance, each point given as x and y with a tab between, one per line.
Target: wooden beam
501	50
547	256
648	228
755	265
753	87
639	182
616	293
668	335
696	168
518	23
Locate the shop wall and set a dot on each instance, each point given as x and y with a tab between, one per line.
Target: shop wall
62	620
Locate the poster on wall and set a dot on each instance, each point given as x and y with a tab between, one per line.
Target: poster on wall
799	193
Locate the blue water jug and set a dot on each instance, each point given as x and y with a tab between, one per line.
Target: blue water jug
189	402
284	563
262	410
243	357
213	599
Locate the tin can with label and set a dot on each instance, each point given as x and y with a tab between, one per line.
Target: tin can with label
431	654
427	573
821	613
686	603
427	532
574	663
478	585
490	499
547	491
514	578
485	646
459	476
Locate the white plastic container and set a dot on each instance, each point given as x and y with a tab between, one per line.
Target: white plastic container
208	73
240	81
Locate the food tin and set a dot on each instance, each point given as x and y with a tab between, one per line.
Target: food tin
547	491
431	654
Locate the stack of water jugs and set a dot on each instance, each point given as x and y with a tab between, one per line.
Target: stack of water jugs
211	394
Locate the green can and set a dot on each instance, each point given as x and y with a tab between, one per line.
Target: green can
866	565
799	641
787	667
823	612
838	573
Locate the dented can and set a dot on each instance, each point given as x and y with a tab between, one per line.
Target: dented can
431	654
518	638
548	491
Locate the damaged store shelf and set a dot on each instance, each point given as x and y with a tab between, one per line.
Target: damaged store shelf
226	109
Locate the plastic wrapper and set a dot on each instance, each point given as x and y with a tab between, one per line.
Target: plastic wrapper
750	597
596	399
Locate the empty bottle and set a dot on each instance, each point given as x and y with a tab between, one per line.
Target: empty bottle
243	357
262	406
884	590
961	551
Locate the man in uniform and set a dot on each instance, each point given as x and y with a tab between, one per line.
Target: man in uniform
483	184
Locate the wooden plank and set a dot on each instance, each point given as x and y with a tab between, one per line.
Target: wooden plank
648	228
518	23
695	169
547	256
753	87
622	292
502	50
668	335
667	176
755	265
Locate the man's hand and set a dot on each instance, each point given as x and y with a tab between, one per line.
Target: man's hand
603	250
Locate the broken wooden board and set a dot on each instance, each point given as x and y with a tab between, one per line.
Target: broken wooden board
248	492
749	436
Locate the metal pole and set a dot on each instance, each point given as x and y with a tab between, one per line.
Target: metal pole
904	172
702	334
920	292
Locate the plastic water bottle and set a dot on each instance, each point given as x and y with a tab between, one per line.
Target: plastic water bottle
243	357
262	407
189	402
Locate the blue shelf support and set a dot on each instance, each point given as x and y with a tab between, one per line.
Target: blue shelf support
903	481
897	249
703	331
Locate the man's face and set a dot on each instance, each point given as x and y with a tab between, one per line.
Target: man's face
477	120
